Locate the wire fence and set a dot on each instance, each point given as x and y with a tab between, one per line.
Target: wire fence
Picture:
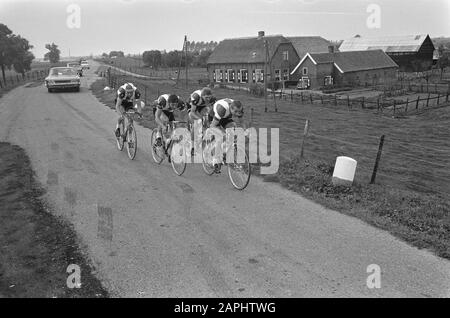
18	79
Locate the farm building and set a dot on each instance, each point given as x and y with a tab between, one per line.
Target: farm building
317	70
412	53
241	60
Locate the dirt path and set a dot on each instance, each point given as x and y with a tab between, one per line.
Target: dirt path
153	234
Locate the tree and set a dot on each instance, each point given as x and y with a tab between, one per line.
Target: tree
5	60
21	57
14	52
54	53
443	62
152	58
116	53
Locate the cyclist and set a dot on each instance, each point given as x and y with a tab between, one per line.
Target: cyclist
200	102
221	117
127	96
163	112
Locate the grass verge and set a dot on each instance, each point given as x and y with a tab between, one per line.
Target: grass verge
36	247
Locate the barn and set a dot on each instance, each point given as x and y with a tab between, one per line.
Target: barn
412	53
242	60
354	68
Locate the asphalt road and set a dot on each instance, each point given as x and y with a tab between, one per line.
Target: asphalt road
151	233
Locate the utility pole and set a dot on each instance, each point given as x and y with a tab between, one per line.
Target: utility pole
183	51
186	58
265	76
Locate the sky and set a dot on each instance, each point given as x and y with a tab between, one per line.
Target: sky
134	26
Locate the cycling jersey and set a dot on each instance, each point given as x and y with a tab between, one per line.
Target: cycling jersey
197	100
127	102
163	103
221	112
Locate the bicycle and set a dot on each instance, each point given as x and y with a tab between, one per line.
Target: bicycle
160	152
242	170
129	134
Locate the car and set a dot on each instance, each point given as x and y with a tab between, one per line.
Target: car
77	67
62	78
84	64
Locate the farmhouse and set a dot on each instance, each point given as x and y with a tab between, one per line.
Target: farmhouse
412	53
355	68
242	60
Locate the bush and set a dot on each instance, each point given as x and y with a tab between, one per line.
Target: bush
256	89
334	89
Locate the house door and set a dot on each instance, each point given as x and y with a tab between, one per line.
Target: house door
304	83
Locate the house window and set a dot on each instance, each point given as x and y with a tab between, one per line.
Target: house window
305	71
277	75
328	80
253	76
230	73
218	75
244	75
259	74
285	75
221	76
286	56
214	75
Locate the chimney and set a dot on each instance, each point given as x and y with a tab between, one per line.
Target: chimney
331	49
260	34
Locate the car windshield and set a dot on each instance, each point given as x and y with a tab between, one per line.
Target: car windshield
63	71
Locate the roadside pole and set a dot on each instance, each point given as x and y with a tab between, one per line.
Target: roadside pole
305	134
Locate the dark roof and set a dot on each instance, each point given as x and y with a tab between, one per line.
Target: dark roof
245	50
352	61
311	44
395	43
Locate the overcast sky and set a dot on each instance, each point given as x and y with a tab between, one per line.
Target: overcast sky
137	25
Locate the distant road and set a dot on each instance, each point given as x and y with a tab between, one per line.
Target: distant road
153	234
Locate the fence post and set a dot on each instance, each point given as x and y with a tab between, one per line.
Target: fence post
428	99
394	107
377	160
438	99
417	103
335	100
348	101
406	107
362	104
305	134
145	95
292	97
311	98
378	103
446	99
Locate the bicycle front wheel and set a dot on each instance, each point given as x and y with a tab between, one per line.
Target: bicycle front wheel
208	168
178	157
238	172
157	151
131	142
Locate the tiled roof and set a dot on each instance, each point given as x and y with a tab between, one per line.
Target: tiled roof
311	44
245	50
403	43
352	61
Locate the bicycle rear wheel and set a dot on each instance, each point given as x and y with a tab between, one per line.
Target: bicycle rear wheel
157	151
119	140
131	142
239	172
178	157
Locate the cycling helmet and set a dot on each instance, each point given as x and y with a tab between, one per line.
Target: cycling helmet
236	105
129	88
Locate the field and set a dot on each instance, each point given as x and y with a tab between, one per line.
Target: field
411	195
135	65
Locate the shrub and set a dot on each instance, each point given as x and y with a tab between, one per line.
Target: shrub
256	89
